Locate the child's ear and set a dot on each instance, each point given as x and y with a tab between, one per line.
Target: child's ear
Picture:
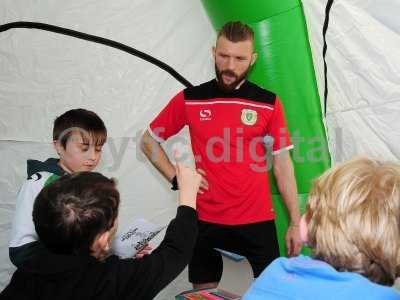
303	230
101	245
57	146
104	241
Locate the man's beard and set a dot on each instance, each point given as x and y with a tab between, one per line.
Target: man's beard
232	86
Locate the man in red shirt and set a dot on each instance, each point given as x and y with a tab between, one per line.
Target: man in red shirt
230	119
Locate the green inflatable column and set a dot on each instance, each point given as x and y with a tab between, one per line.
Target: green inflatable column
284	66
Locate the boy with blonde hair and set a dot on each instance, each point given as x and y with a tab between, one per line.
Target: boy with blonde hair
352	224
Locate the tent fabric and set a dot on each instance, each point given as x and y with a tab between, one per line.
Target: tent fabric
363	103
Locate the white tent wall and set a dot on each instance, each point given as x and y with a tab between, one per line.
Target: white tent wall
43	74
363	107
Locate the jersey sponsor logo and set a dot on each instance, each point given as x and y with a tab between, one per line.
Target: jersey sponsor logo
249	116
205	115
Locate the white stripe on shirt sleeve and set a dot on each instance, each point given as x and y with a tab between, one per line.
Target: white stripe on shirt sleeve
282	150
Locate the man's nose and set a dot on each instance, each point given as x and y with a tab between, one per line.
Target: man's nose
231	63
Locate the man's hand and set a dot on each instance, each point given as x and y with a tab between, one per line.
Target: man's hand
286	182
293	240
204	182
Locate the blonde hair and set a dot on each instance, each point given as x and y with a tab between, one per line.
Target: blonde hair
353	216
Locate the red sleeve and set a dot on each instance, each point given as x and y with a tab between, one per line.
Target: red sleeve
277	128
170	120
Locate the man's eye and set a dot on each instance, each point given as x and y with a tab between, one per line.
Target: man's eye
99	149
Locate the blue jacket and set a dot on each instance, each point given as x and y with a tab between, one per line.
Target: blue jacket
304	278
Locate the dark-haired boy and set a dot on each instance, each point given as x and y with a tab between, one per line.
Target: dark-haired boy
75	218
78	138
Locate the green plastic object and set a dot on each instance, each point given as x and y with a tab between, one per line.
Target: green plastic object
284	66
248	11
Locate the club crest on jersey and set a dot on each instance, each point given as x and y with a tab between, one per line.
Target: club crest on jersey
249	116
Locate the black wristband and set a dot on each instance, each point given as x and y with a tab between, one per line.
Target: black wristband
174	182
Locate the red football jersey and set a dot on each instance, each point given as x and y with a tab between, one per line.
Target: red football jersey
227	132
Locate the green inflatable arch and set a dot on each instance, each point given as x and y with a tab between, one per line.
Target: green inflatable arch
284	65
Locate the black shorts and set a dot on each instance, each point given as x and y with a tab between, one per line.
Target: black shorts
257	242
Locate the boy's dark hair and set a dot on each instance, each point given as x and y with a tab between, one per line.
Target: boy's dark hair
70	212
236	31
84	121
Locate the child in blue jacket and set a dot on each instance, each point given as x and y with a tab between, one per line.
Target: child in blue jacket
352	224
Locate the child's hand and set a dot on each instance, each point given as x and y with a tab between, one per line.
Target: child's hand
145	251
189	182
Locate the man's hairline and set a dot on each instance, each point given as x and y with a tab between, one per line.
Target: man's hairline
252	40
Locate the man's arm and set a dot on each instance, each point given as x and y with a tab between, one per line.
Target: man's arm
284	174
157	156
159	159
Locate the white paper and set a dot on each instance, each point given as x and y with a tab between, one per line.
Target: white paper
134	238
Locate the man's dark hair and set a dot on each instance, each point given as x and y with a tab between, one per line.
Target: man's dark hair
236	31
86	122
70	212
